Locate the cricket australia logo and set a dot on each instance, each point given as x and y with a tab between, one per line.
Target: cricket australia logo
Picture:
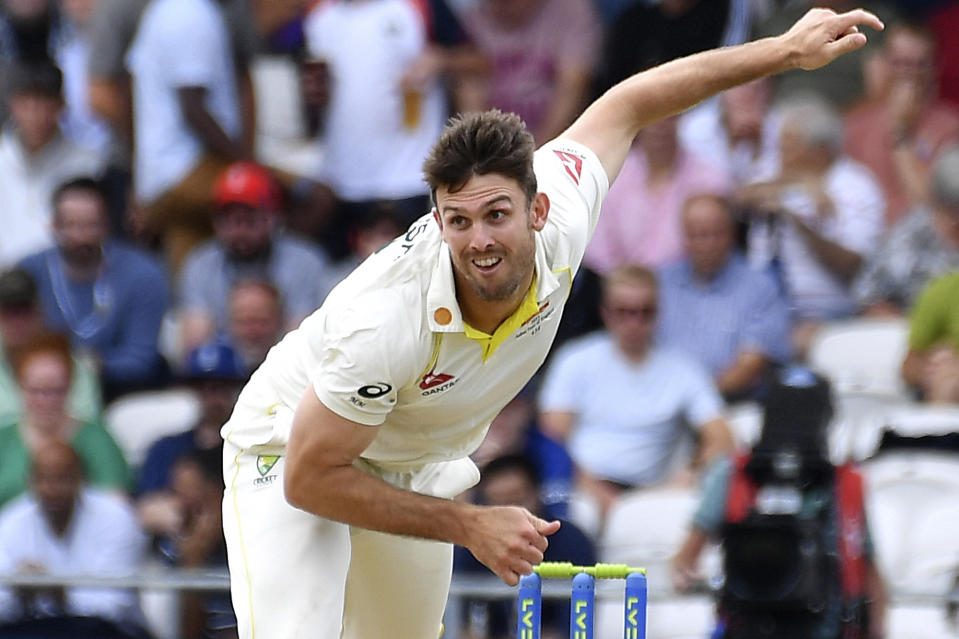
264	464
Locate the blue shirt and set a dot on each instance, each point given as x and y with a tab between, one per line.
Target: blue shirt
117	316
739	310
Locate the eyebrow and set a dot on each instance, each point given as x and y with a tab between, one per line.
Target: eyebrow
452	208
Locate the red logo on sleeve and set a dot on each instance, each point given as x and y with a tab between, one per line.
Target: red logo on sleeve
573	164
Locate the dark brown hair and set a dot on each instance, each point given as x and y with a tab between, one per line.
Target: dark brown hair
480	144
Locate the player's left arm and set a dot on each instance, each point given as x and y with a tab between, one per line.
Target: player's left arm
609	125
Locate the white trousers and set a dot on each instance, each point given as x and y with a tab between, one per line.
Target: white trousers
294	575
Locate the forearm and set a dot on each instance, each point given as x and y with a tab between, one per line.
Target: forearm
350	495
715	439
742	375
205	126
913	368
247	111
839	260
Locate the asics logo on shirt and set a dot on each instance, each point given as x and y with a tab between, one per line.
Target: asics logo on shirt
372	391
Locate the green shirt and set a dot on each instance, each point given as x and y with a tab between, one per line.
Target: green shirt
102	459
935	318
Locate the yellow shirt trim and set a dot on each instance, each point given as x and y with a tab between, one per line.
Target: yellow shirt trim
520	316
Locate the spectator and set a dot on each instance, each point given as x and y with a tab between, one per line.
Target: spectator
640	223
370	230
80	123
196	483
512	480
899	134
107	296
386	102
543	53
216	373
21	321
43	371
799	559
256	320
816	220
30	32
515	432
740	135
932	363
248	245
619	445
920	248
63	527
728	317
189	119
35	158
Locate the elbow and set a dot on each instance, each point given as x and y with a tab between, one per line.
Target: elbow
295	484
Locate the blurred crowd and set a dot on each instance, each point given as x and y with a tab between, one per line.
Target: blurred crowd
182	181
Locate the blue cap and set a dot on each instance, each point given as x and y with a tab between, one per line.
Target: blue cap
215	360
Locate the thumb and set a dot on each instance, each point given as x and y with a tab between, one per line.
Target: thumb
848	42
544	527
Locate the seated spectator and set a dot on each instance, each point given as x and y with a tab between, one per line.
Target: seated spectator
932	363
385	100
369	231
899	134
256	320
512	480
640	218
799	558
740	134
247	245
43	370
816	220
21	321
728	317
216	373
515	432
542	55
192	117
196	482
35	158
30	32
107	296
62	527
921	247
616	444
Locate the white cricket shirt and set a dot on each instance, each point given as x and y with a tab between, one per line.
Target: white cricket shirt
389	347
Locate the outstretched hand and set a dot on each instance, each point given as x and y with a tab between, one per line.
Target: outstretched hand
509	540
822	35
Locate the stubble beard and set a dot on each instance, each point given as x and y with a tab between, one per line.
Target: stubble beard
523	264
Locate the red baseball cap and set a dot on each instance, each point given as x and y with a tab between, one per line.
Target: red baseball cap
246	183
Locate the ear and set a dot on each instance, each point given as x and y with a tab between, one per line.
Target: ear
540	211
436	216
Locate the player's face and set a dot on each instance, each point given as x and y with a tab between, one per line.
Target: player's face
490	229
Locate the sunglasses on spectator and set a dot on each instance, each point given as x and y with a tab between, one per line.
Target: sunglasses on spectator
645	312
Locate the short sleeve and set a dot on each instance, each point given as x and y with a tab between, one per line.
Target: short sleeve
366	354
111	29
575	182
192	47
929	321
703	402
559	391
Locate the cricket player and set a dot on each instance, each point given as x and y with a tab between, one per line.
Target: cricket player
346	447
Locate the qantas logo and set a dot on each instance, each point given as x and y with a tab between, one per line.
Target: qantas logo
432	379
572	163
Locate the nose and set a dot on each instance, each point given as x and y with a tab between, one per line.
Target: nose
481	239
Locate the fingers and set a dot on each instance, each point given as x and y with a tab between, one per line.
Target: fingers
847	43
850	19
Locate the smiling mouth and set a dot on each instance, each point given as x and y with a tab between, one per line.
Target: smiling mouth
487	263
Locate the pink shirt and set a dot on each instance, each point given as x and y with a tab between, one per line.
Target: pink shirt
639	225
527	59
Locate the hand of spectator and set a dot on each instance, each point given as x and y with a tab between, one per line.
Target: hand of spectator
760	198
508	540
822	35
684	577
424	68
202	537
161	514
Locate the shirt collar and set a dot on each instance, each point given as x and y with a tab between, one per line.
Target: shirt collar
442	309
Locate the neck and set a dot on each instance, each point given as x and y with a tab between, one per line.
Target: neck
634	354
82	271
661	164
60	522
